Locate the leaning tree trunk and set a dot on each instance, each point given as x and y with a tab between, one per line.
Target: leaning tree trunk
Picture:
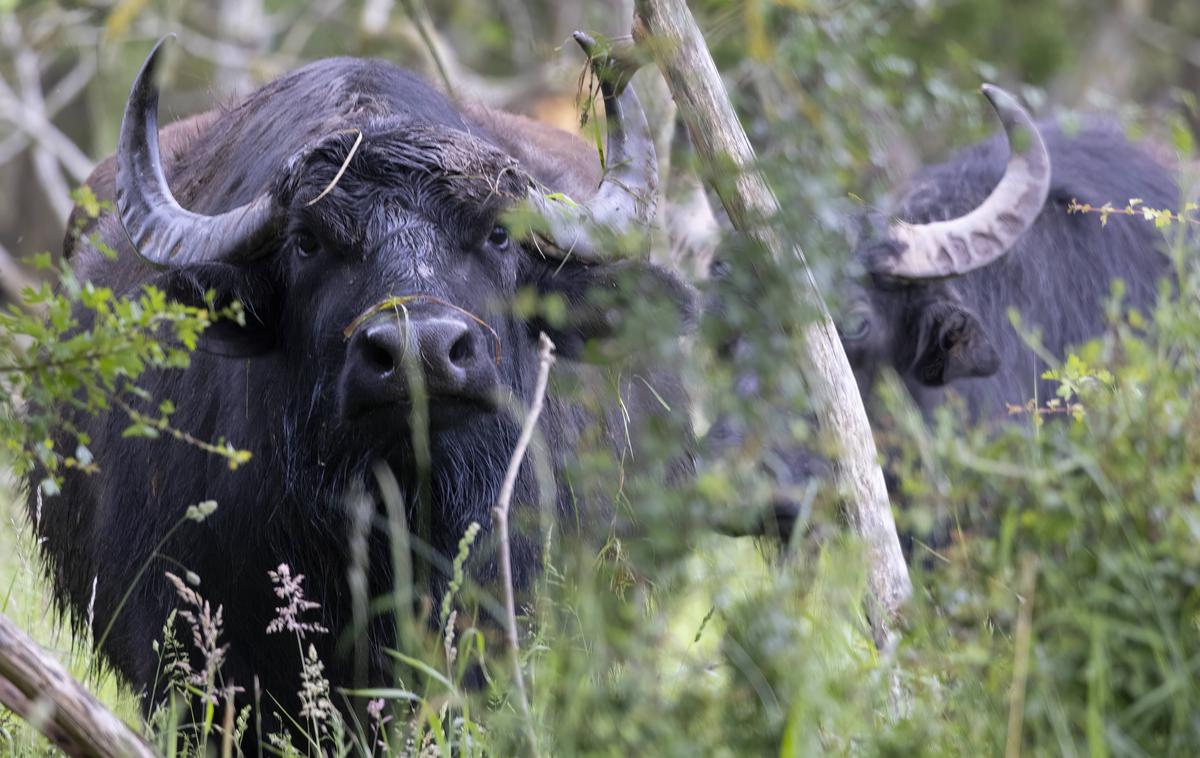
667	28
38	689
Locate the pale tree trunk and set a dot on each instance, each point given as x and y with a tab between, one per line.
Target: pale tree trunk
38	689
667	28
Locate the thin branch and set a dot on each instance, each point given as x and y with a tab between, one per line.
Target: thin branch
62	94
54	184
44	133
503	503
521	26
466	84
45	165
314	20
66	89
28	112
419	17
227	451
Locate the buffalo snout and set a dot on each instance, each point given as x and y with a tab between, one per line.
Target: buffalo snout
443	349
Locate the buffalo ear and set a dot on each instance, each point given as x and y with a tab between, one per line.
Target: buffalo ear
191	285
951	344
604	300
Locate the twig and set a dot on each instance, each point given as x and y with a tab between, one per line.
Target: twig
439	60
419	17
227	451
38	689
679	49
500	512
315	18
1162	217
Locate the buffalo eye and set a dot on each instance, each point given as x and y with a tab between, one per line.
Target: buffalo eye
498	237
856	326
306	244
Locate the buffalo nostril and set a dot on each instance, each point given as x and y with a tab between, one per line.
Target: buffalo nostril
377	357
380	349
463	350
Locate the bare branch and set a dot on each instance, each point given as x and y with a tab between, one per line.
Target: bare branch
41	131
28	112
500	512
436	48
66	89
12	278
38	689
440	61
54	184
314	19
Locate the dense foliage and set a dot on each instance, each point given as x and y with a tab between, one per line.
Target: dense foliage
51	357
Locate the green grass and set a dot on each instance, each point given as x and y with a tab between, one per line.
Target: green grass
26	600
685	632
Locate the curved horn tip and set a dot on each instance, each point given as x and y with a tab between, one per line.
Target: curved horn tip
586	41
613	59
152	58
1003	101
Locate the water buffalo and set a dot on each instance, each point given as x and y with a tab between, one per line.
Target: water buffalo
360	217
931	283
990	231
987	232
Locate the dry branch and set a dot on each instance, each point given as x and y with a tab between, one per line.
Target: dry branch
12	278
500	512
38	689
28	112
670	32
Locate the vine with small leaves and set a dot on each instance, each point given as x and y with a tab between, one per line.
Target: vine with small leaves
1076	379
1162	218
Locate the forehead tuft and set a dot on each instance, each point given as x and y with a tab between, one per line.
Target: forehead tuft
437	163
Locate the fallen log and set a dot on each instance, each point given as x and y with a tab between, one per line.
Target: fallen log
37	688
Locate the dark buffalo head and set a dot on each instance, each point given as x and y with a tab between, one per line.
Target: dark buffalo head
384	257
906	311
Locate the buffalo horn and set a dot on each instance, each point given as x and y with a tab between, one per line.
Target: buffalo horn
959	245
161	231
626	196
